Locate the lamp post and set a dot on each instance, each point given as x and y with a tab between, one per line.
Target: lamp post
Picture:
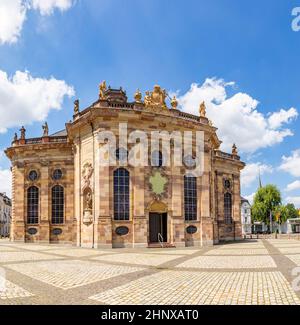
271	225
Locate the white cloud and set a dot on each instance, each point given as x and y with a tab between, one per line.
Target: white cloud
25	99
291	164
237	117
293	186
5	181
251	173
276	120
12	17
13	14
47	7
293	199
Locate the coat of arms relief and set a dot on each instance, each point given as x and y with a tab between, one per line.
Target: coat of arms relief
158	182
156	99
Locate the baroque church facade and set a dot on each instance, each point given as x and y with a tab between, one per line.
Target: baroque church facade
61	193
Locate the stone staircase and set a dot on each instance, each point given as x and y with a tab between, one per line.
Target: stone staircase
163	245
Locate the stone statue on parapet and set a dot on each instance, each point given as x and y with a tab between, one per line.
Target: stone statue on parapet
23	133
45	129
76	107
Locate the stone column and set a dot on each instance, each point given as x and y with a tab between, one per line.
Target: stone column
140	227
177	221
45	201
105	218
77	191
18	212
205	200
97	190
236	198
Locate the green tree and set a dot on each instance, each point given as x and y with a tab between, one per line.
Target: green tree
281	214
292	211
266	201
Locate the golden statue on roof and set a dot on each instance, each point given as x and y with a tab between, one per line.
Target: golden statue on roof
102	90
156	98
138	96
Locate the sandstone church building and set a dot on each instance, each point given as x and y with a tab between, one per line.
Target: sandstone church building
62	194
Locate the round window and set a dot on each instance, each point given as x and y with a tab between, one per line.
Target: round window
57	174
33	175
189	161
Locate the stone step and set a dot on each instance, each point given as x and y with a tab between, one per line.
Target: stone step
158	245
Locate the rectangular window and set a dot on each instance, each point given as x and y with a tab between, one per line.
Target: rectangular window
228	208
33	205
58	205
190	198
121	194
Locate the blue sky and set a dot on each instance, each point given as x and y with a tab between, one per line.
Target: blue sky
138	43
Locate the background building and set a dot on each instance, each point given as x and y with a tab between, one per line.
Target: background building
5	215
246	216
61	192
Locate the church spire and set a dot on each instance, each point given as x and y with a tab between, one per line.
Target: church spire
259	176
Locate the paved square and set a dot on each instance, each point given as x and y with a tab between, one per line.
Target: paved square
9	290
251	272
36	247
229	262
137	258
71	274
289	250
20	256
240	251
8	249
294	258
174	251
197	288
78	252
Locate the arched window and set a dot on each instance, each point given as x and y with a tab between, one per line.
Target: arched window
228	208
121	194
190	198
58	204
33	205
156	159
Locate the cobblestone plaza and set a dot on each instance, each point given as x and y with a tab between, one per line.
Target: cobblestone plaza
252	272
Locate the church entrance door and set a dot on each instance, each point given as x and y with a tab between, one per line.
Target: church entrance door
158	225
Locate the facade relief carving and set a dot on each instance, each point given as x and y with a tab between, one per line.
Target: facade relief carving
87	172
88	206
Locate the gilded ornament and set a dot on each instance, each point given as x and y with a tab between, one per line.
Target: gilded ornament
174	103
102	90
138	96
156	98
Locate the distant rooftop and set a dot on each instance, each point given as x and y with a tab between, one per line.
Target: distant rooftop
244	200
62	133
5	198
